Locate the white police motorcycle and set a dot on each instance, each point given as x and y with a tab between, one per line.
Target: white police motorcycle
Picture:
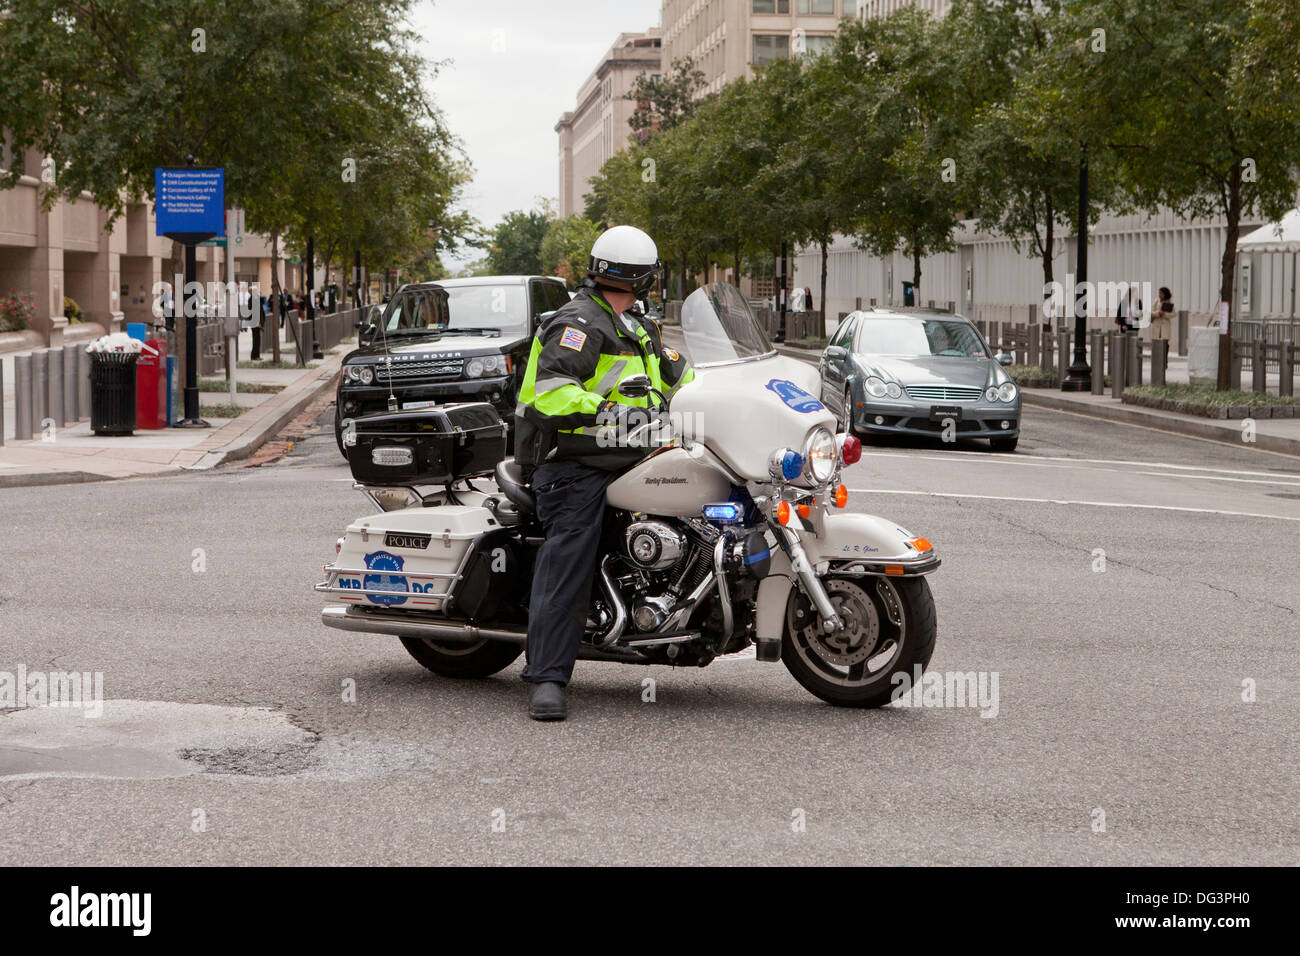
733	531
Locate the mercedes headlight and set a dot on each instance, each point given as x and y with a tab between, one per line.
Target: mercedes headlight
876	388
366	374
893	391
1007	392
820	456
991	393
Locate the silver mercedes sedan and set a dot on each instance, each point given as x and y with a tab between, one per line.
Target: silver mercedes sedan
918	373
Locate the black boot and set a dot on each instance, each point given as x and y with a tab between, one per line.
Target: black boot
546	702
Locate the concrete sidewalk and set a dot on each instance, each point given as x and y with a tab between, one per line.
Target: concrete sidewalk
75	454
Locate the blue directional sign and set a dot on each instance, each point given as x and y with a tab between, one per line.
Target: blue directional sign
190	202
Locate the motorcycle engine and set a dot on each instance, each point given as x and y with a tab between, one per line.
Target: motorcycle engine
654	545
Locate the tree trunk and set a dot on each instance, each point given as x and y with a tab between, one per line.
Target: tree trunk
822	300
1228	268
735	257
916	272
1047	248
275	297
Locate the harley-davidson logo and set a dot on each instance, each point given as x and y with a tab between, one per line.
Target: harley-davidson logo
665	481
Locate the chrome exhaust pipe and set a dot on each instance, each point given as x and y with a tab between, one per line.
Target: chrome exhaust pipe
619	623
724	592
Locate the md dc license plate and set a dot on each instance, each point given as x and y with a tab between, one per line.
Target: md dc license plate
939	412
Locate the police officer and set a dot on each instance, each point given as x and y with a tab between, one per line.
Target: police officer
570	427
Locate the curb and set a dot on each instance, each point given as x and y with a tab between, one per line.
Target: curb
1210	429
294	399
246	445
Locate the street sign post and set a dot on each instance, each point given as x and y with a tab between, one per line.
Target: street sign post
190	207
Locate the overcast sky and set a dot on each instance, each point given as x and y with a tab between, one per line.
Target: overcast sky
513	67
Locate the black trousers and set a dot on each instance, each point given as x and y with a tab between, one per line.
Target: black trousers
571	505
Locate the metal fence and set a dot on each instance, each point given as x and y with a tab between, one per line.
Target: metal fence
319	335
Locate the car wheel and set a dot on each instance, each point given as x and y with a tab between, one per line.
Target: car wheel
845	419
1004	444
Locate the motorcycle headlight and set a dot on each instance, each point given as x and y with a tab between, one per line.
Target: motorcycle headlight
474	368
1007	392
893	391
820	456
366	374
876	388
991	393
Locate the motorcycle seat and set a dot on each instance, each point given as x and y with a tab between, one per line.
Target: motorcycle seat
511	482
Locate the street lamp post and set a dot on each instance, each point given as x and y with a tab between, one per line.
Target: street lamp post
1079	378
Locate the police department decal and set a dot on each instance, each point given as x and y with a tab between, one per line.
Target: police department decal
794	396
383	561
672	355
573	338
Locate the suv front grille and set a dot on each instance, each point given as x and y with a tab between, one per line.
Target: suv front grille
405	371
944	393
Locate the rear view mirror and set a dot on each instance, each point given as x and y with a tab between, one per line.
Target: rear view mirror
1005	359
635	386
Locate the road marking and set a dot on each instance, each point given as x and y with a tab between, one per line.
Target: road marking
1038	460
1248	481
1069	501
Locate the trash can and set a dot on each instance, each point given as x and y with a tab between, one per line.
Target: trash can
151	386
112	392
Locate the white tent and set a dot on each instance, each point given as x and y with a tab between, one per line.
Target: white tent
1281	237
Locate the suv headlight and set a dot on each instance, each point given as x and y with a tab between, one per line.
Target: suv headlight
820	455
876	388
366	374
485	365
351	372
1007	392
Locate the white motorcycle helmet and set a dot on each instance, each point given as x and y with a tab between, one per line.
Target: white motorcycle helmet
624	257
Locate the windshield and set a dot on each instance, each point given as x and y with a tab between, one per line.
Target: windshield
919	336
503	308
719	326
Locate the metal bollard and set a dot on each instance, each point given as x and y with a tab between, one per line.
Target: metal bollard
1118	360
1132	358
83	383
40	388
1258	370
55	412
1098	363
1286	369
1021	357
70	391
1159	356
1063	354
22	398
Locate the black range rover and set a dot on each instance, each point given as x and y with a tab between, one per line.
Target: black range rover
457	340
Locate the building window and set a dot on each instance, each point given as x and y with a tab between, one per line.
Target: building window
770	46
813	45
821	7
772	6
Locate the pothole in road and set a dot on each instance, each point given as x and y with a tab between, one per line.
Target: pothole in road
144	739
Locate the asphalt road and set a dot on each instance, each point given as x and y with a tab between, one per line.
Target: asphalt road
226	739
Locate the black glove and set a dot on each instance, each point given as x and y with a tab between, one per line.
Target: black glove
627	418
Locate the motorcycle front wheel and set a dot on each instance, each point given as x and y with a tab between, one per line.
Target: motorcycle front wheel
449	659
890	627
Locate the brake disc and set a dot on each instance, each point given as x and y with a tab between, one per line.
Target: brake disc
853	643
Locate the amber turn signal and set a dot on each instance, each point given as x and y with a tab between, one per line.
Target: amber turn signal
922	544
841	496
804	511
783	512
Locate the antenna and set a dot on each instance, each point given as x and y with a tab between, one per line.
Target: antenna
388	357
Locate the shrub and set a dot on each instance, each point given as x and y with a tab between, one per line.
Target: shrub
71	311
16	311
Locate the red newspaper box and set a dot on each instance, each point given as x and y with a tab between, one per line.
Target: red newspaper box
151	385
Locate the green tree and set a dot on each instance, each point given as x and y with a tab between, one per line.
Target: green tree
514	247
1195	106
567	247
664	102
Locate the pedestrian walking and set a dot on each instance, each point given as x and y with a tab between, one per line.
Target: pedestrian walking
1129	314
1162	315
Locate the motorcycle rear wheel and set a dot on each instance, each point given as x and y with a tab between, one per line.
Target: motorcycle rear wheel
890	628
465	661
